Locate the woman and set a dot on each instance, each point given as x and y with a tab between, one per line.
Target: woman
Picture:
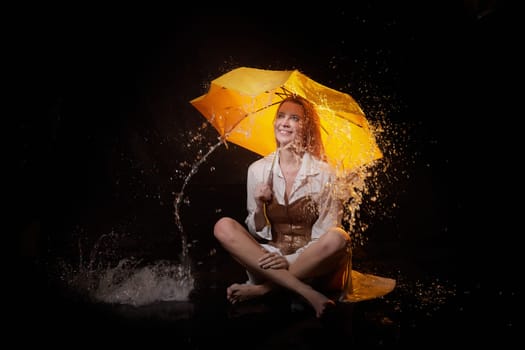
294	237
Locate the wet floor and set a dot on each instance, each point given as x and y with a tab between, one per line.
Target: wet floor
422	310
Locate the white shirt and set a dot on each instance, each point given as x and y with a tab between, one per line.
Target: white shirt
315	178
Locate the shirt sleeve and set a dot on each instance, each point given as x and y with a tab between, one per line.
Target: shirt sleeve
330	209
255	176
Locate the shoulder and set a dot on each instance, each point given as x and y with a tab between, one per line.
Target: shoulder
262	163
320	167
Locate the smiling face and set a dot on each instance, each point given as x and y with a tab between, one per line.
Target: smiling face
288	123
297	125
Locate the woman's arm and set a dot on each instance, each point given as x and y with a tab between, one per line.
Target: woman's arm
257	191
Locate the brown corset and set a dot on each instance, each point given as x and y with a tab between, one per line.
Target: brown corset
292	223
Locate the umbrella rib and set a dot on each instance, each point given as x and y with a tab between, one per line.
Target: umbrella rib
288	93
285	93
350	121
246	115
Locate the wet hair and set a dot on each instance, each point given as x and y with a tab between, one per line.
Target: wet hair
310	132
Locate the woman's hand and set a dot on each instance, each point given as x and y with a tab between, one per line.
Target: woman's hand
273	261
263	193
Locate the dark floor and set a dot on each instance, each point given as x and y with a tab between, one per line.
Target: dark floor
421	311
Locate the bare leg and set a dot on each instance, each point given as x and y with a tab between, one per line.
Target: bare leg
328	256
243	247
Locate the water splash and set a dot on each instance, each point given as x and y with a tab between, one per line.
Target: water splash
107	277
179	199
352	188
128	283
105	274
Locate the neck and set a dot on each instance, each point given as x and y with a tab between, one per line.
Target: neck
289	156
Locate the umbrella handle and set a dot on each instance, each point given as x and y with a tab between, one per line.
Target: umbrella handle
266	215
269	181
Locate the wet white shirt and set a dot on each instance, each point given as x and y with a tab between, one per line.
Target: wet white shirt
315	178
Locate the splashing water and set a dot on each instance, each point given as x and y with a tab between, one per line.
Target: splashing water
128	284
179	198
351	189
104	276
128	281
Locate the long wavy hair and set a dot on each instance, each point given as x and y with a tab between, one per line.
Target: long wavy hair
310	132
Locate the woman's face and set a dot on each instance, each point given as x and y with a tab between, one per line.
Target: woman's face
288	123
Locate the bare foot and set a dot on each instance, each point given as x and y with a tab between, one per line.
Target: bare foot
242	292
319	302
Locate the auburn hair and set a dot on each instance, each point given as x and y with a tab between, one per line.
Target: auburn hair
310	132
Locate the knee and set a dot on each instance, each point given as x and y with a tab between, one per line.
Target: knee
336	239
223	228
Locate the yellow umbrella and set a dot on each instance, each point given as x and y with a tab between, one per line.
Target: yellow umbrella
242	104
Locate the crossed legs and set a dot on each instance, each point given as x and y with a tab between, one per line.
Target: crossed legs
328	254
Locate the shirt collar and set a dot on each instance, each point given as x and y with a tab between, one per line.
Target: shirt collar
309	166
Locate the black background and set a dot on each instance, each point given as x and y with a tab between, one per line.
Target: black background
103	121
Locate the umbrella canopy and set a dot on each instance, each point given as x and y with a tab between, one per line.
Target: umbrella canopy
242	105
